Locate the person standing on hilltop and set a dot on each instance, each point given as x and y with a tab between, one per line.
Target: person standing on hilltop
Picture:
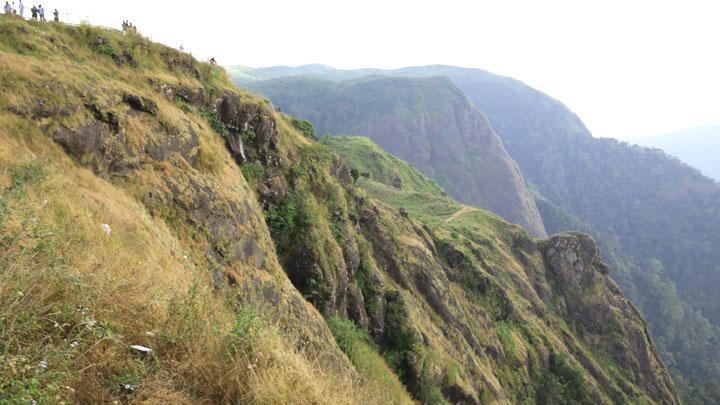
56	15
33	12
21	9
41	13
7	8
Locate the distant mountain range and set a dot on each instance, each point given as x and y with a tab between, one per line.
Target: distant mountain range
656	219
698	147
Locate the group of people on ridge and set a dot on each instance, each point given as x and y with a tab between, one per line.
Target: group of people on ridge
37	12
127	26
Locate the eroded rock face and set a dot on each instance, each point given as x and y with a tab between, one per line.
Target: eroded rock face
181	62
252	123
105	144
141	103
593	304
195	96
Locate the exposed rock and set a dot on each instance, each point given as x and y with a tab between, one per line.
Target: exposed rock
341	172
593	304
99	144
170	140
140	103
356	306
194	96
181	62
103	114
252	123
121	59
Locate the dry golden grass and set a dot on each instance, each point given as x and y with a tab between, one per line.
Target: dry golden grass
74	298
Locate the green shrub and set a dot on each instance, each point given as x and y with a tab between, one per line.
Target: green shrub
399	337
287	221
348	335
247	325
564	384
214	122
253	171
305	127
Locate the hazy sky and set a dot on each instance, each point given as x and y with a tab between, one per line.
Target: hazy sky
627	68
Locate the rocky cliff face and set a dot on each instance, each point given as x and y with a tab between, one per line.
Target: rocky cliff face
427	122
655	218
167	238
135	263
467	310
594	306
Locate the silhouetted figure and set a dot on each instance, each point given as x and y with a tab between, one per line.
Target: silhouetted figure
213	61
56	15
34	12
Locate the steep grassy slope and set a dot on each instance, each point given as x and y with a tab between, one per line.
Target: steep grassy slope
427	122
655	218
124	220
467	309
144	201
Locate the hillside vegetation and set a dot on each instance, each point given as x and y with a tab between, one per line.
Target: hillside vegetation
124	220
429	123
656	219
513	307
167	238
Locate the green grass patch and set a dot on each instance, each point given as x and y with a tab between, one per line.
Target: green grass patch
363	354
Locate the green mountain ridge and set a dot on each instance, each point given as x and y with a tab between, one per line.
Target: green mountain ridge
168	238
429	123
655	218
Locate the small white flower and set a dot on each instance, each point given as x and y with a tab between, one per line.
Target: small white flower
43	364
106	228
74	344
150	334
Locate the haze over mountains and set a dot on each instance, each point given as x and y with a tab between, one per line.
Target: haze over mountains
657	220
698	147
